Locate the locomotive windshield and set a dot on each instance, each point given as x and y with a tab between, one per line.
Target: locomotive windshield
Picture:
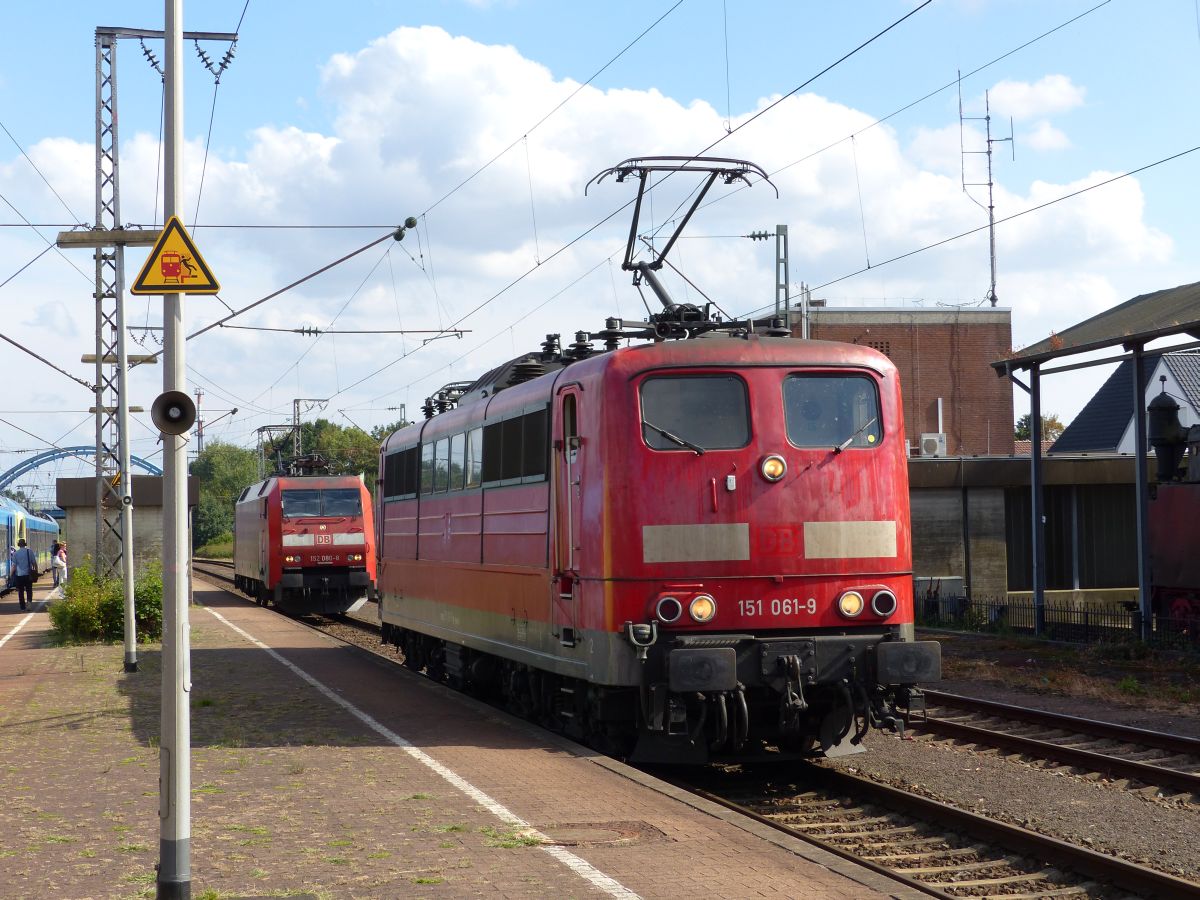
834	411
300	504
696	412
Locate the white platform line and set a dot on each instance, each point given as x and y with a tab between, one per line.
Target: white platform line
576	864
25	621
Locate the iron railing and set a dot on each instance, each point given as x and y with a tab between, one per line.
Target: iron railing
1063	622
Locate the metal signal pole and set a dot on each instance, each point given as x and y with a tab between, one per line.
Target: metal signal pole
175	748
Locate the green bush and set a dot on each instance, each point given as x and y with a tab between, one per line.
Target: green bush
220	547
93	607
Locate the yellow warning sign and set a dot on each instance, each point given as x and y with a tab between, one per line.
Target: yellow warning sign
175	266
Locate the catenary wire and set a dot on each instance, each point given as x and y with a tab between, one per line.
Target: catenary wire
578	238
559	106
78	221
1000	221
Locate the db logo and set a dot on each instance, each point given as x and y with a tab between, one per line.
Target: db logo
779	540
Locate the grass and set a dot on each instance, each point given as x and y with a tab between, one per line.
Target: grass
248	829
513	837
132	848
1115	673
428	879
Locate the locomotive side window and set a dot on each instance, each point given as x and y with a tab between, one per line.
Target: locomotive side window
298	504
491	451
511	457
474	463
400	474
698	412
514	449
441	466
457	459
535	444
427	468
834	411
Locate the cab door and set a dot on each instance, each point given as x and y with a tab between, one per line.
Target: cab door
568	469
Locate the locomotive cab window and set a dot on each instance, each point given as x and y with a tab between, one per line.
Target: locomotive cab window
301	504
833	411
341	502
695	412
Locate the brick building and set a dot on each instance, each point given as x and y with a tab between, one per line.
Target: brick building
944	357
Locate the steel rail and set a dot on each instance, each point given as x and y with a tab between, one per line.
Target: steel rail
1091	760
1088	865
1160	740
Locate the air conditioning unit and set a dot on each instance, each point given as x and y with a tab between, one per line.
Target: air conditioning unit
933	444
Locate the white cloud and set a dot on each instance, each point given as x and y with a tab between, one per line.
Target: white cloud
1047	96
1046	137
419	111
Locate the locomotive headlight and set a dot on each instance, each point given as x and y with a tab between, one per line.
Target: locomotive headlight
851	604
668	609
702	608
884	603
773	467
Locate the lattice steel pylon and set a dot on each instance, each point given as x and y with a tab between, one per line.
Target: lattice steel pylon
114	515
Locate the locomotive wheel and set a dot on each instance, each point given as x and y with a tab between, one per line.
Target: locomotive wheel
412	653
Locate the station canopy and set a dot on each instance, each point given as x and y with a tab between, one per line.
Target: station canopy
1133	324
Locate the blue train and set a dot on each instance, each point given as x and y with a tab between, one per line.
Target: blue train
17	523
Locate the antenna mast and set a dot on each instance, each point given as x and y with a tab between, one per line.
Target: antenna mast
986	118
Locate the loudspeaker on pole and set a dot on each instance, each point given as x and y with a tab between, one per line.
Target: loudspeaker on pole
173	412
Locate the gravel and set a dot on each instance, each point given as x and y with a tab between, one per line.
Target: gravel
1130	821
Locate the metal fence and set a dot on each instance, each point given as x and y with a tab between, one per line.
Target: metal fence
1062	622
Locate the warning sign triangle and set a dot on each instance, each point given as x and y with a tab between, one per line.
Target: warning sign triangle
175	266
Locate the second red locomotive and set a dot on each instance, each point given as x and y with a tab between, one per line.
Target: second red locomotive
306	543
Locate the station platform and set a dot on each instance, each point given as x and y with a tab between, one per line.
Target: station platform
321	769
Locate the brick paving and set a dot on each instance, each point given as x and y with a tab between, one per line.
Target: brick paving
294	794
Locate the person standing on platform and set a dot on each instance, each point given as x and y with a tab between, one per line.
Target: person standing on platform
24	568
58	562
53	555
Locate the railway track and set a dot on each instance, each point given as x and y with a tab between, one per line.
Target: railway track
938	849
1167	761
932	847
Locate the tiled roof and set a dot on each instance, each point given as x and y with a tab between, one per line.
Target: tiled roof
1186	369
1025	448
1102	422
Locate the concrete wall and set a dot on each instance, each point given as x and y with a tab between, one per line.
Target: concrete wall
77	497
943	492
942	547
147	536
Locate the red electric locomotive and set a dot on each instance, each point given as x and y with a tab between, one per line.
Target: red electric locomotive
690	548
305	543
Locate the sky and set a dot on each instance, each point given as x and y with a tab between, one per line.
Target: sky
487	119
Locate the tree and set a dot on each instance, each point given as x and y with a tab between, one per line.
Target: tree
1052	428
224	471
